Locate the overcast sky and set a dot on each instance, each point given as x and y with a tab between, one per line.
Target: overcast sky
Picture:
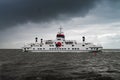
23	20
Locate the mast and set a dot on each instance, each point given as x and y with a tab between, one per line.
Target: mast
60	35
60	29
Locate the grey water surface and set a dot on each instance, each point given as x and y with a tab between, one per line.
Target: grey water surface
18	65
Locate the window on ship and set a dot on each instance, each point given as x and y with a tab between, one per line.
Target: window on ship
40	45
58	39
83	45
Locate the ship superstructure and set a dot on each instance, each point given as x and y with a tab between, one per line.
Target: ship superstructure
61	45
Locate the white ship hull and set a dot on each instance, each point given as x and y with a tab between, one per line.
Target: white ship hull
67	51
85	48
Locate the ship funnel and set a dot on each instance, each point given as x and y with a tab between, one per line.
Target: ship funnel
41	40
83	38
36	39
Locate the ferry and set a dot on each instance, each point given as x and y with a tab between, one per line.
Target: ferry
60	44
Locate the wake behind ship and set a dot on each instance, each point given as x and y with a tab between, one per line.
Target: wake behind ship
61	45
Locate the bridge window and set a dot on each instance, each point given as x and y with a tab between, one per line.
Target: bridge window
60	35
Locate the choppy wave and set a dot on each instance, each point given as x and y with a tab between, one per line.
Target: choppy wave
16	65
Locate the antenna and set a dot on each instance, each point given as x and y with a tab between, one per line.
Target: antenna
60	29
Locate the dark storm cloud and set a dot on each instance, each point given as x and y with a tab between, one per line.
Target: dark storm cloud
13	12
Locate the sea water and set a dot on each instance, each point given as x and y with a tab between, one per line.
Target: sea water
18	65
